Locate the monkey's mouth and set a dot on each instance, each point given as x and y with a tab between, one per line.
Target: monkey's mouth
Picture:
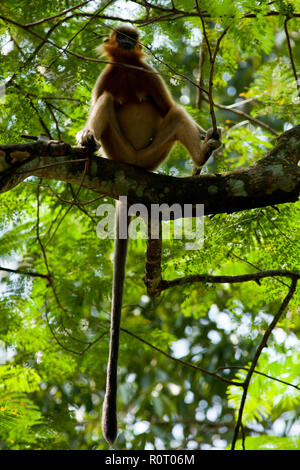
126	42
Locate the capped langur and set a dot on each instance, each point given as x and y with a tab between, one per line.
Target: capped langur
136	121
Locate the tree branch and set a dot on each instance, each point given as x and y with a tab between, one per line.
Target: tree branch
228	279
275	179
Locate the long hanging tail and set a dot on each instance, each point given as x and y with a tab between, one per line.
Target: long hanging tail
109	412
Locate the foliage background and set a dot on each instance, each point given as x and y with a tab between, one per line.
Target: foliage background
54	341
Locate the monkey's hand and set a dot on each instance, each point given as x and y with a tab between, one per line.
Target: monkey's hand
86	138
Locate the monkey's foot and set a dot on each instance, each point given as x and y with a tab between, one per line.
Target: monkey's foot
211	142
86	138
213	139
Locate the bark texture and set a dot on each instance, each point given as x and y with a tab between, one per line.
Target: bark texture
273	180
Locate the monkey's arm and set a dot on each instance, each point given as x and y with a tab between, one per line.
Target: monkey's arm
162	97
102	126
86	137
99	86
158	91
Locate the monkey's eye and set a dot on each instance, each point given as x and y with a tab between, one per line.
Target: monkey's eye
106	40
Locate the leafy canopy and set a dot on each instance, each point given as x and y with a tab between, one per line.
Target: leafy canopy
54	336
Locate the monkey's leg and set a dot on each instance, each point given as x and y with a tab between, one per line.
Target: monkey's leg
102	119
191	136
179	126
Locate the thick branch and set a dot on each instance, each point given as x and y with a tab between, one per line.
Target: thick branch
273	180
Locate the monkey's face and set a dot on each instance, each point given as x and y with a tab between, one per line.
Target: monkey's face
126	40
122	44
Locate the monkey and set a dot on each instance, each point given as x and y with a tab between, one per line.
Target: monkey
134	119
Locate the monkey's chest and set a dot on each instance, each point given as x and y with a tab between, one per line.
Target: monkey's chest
139	122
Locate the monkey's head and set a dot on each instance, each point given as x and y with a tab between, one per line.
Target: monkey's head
122	43
126	37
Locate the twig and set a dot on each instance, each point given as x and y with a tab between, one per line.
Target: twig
63	98
238	112
49	41
291	54
256	267
56	108
69	201
16	44
79	31
72	204
78	353
172	16
92	59
297	387
53	222
180	361
211	74
199	95
54	119
50	278
240	103
62	13
38	237
280	231
43	124
25	273
57	339
79	205
205	14
254	362
33	55
59	224
212	60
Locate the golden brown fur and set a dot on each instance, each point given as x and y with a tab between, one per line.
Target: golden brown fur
133	114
